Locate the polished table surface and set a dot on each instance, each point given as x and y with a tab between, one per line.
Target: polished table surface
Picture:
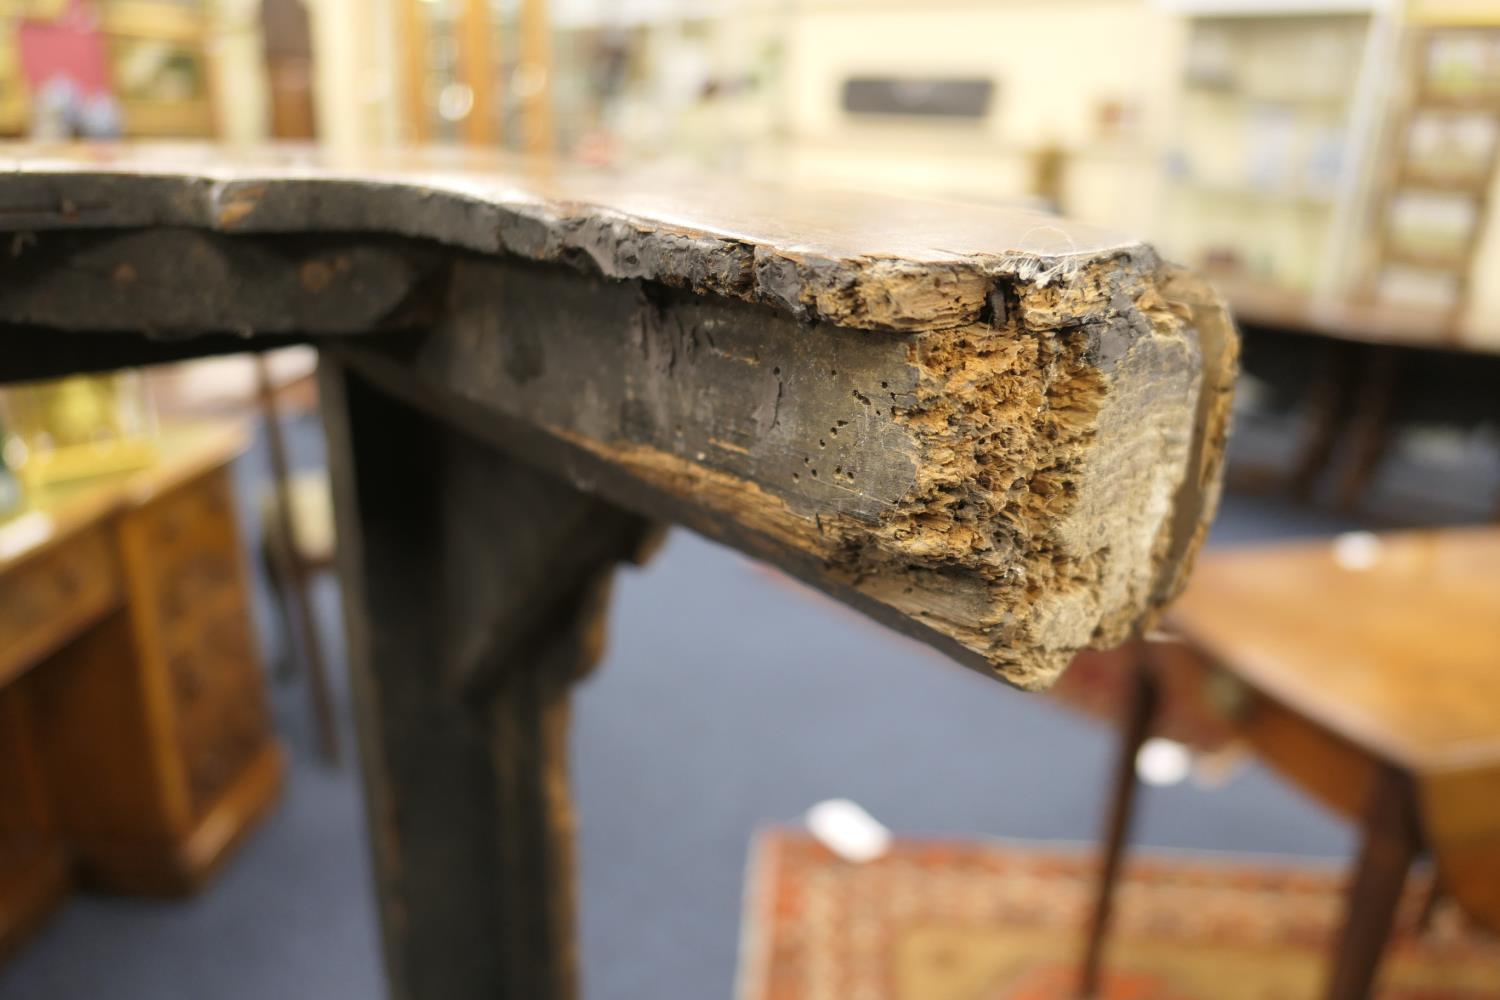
1391	641
1389	646
996	431
1364	670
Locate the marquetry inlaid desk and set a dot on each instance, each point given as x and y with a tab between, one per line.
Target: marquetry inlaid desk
135	748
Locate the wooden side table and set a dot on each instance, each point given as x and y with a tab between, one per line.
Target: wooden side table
994	430
1367	671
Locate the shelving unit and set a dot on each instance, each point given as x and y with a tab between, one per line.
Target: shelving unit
1444	148
159	65
150	56
1276	121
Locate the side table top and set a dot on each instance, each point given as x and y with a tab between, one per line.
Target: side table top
1391	641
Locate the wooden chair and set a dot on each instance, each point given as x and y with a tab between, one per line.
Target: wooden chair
1367	671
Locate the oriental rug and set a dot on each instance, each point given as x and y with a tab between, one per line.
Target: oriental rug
1003	921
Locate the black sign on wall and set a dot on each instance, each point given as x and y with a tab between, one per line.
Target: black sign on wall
932	97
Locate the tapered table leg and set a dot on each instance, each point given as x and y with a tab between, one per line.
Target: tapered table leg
1392	839
1135	728
474	588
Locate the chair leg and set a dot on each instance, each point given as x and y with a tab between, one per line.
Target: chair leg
1391	842
278	578
1430	902
294	576
1135	728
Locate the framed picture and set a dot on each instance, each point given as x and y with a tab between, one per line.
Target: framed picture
1463	64
1432	227
1458	148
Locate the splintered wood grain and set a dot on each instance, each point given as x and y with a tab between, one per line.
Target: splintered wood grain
1011	487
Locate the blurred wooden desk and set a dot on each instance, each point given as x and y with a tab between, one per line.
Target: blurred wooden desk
1366	670
134	742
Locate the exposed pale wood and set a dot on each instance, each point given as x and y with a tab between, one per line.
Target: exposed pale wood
461	686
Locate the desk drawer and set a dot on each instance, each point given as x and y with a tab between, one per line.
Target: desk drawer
48	600
194	624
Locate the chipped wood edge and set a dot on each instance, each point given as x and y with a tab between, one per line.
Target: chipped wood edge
871	292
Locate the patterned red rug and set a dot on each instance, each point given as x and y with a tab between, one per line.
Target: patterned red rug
978	921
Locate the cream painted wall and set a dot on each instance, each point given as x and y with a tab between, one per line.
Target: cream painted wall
1054	63
237	61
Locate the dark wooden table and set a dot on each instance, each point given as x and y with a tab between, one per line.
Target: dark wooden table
136	749
990	429
1363	377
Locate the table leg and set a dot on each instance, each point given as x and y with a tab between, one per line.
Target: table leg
1391	841
474	589
1327	400
1135	728
1430	903
1369	427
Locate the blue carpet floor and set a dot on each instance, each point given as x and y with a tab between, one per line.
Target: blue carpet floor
730	697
